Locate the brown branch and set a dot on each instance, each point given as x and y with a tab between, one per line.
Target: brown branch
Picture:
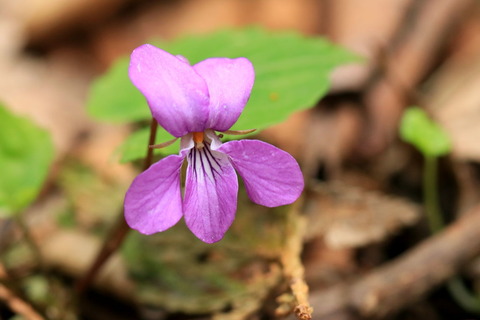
15	303
406	279
120	230
18	305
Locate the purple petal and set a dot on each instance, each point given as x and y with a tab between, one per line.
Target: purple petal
272	177
153	202
211	189
229	83
177	95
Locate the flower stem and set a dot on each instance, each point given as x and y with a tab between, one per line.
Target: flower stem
151	141
119	231
455	285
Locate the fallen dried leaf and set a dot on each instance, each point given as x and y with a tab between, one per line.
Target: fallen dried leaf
351	217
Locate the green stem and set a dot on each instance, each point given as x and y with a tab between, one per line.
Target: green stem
430	195
455	286
463	296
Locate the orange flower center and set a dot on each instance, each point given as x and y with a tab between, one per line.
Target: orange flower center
198	139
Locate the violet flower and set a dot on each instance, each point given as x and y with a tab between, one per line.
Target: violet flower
191	103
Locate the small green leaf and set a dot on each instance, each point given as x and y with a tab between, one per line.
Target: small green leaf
114	98
135	146
427	136
26	152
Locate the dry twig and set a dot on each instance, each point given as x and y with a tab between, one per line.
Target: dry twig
292	264
15	303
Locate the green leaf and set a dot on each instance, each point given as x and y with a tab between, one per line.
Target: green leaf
114	98
292	73
428	137
26	152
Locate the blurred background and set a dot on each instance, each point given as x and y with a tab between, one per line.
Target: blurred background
363	203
